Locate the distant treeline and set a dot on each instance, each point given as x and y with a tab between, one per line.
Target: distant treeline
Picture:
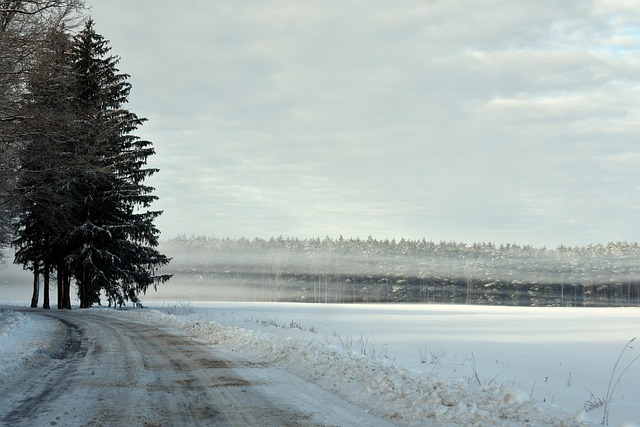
369	270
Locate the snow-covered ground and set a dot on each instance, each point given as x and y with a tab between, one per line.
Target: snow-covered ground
21	337
420	364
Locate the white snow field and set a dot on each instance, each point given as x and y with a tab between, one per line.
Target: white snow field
415	365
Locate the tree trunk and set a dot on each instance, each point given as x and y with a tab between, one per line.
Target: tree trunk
67	291
60	286
81	288
36	284
47	272
64	283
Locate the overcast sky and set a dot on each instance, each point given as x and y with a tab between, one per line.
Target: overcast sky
494	120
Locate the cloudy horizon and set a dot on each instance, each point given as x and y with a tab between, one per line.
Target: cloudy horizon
493	121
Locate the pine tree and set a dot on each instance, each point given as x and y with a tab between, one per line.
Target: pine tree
112	248
46	163
85	207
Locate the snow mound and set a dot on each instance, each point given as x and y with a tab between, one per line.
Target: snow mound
403	396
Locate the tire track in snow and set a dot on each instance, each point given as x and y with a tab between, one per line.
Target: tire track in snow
110	371
45	378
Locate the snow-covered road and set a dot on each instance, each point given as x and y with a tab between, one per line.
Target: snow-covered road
98	369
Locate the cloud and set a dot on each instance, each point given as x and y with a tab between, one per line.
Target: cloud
494	121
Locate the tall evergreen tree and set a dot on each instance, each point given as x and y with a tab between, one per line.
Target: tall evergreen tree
46	162
85	212
113	246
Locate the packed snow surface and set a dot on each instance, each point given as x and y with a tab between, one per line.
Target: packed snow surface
416	364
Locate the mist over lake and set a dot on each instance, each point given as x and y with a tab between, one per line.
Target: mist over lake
369	270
